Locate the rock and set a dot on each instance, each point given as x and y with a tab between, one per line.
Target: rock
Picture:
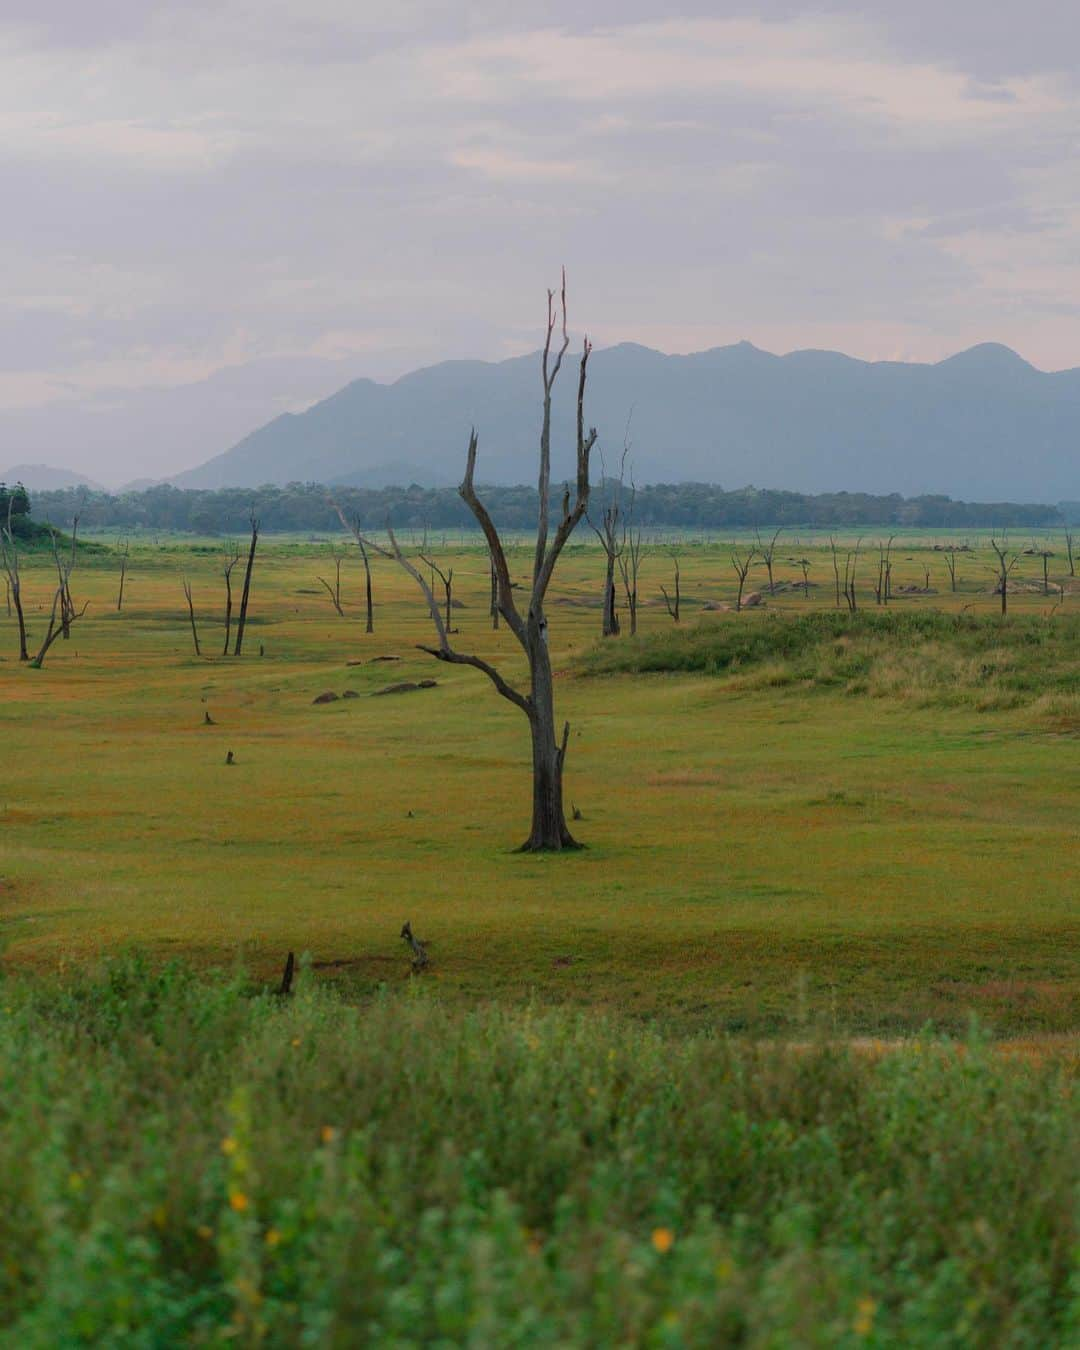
327	697
752	600
458	604
384	658
350	693
715	607
358	662
404	687
428	684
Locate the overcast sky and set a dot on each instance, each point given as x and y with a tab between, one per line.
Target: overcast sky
284	194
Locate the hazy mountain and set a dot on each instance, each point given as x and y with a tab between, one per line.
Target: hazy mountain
981	425
45	478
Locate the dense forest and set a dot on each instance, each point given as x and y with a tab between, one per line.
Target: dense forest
309	506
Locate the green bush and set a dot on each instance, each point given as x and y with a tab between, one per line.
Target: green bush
184	1162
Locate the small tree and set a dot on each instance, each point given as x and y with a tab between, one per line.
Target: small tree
629	559
232	557
768	552
1006	561
447	579
741	564
191	616
334	591
610	541
123	575
1069	544
549	829
673	604
370	625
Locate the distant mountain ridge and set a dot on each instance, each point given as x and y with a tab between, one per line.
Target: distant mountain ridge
46	478
983	424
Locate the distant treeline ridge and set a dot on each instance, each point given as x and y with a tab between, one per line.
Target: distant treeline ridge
309	506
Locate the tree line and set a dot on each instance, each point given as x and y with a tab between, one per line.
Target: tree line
308	506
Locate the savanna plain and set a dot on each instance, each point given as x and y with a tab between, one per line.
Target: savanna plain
785	1055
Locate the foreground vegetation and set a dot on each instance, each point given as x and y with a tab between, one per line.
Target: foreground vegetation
183	1161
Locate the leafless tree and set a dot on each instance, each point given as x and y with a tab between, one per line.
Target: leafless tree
9	560
232	557
804	563
836	570
950	563
242	620
549	829
447	579
191	616
629	558
884	574
123	574
741	564
55	629
768	552
1006	561
851	563
610	538
63	576
334	591
1069	544
673	604
1045	554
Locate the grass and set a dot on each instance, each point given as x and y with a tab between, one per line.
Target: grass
186	1161
761	855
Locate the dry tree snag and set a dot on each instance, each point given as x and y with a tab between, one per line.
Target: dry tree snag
883	589
241	622
60	598
950	563
9	561
767	553
334	591
1004	568
447	579
851	562
191	616
63	577
673	604
836	569
1069	543
741	564
1045	554
804	563
123	574
370	625
608	534
629	559
232	557
549	829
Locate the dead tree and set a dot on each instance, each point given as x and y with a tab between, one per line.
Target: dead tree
673	605
447	579
191	616
1045	554
370	626
60	597
851	563
123	574
1069	543
9	560
63	576
629	559
741	564
232	557
950	563
493	608
836	570
1006	563
768	552
242	620
334	591
610	541
804	563
549	829
884	573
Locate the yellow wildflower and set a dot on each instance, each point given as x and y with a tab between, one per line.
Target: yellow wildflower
238	1201
328	1134
663	1239
865	1311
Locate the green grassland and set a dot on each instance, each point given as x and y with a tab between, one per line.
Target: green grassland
861	825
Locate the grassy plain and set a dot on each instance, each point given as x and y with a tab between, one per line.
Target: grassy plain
768	854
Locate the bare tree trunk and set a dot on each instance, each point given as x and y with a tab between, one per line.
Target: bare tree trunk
1069	543
836	569
549	828
742	568
191	616
950	563
9	561
611	614
123	574
242	621
1005	566
16	595
494	610
231	559
370	627
447	579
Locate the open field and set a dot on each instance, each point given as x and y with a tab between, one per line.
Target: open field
766	851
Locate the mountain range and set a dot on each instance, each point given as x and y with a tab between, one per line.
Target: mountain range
984	424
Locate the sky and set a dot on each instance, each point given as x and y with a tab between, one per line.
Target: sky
216	210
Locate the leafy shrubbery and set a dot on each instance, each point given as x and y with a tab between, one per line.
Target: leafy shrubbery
927	655
182	1162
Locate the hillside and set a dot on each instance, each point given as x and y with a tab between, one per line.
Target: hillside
983	424
46	478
